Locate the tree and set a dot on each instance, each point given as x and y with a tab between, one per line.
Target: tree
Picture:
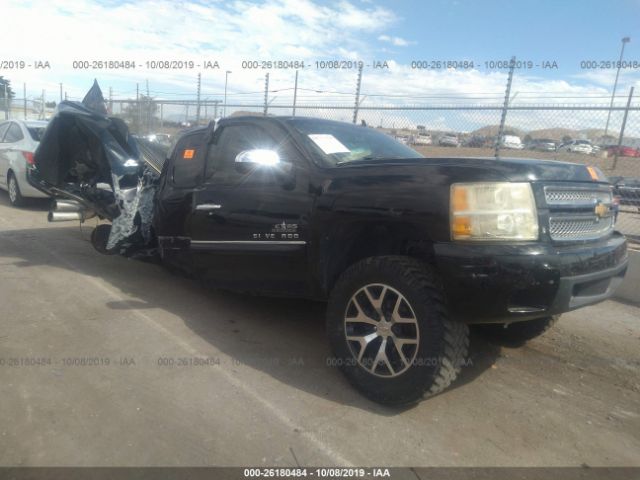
141	115
5	86
527	138
6	94
566	139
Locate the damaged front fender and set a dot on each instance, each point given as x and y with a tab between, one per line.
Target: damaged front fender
90	158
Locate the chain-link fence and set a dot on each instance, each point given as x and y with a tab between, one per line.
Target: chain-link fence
598	135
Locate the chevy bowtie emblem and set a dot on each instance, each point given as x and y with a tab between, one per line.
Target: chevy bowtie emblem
601	210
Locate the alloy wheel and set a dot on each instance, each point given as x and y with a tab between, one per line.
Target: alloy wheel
382	330
13	189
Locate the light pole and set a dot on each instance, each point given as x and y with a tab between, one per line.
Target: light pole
625	40
226	80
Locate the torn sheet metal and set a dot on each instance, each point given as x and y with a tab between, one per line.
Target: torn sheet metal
83	151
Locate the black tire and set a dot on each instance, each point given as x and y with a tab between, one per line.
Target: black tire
100	237
518	333
439	345
15	196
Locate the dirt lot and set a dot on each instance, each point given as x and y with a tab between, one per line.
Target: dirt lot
267	396
626	166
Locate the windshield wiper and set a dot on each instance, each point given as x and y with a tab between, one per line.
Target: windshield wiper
359	160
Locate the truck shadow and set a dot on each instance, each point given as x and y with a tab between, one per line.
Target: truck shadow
283	338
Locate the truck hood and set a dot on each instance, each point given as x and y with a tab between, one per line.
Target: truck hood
490	169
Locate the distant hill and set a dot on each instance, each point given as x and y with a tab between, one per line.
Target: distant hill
492	131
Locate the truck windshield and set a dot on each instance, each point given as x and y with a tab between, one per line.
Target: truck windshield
337	143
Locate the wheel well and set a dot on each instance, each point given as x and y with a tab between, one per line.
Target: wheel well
372	241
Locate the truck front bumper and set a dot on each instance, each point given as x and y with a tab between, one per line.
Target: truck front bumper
508	283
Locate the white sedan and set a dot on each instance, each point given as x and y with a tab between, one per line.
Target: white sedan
18	142
578	146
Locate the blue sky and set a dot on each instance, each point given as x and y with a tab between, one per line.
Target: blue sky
398	31
566	31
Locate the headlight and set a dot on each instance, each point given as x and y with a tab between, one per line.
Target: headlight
493	211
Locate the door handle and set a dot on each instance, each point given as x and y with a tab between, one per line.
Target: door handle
208	206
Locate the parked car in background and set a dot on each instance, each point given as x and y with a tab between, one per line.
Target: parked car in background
422	139
449	140
478	141
18	142
542	145
627	189
577	146
511	141
160	138
403	139
622	151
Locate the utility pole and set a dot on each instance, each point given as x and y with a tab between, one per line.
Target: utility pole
625	40
161	115
357	104
503	118
111	100
24	99
215	108
295	94
6	103
226	80
198	99
43	105
61	91
148	108
266	94
137	108
624	124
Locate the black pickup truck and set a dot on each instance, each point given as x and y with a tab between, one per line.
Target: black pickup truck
407	251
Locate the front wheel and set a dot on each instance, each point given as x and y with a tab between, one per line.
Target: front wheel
518	333
390	332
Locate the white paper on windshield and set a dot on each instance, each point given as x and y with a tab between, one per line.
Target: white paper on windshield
328	143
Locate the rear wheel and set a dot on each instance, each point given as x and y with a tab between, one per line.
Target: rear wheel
517	333
15	197
390	332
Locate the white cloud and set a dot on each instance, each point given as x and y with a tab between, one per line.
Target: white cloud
236	30
396	41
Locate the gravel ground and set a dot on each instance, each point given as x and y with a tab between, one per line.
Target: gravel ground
181	375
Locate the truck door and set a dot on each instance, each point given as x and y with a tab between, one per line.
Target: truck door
248	223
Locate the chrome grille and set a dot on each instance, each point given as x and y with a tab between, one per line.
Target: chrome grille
564	196
573	228
573	214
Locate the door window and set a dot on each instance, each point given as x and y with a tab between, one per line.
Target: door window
232	140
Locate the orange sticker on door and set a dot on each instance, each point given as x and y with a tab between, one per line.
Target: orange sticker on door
188	154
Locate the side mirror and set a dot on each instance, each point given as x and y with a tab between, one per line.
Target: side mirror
266	161
259	157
